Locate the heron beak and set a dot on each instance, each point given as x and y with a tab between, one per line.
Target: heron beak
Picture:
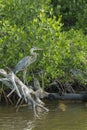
39	49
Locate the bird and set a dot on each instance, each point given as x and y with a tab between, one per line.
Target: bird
23	64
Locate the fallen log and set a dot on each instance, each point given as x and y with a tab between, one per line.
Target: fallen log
67	96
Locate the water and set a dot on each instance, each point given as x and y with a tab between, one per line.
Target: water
62	116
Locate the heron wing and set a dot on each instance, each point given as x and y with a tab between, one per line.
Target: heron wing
22	64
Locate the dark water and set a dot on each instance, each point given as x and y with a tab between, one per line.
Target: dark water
62	116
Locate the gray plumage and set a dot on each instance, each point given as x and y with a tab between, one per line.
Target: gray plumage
26	61
22	64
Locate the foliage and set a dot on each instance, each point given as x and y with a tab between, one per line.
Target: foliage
73	13
25	24
67	55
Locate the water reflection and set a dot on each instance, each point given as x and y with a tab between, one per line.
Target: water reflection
62	116
30	125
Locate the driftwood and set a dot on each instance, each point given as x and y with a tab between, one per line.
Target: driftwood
24	93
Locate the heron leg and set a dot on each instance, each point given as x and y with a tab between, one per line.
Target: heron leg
24	75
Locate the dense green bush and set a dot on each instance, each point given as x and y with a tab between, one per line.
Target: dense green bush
67	55
73	13
25	24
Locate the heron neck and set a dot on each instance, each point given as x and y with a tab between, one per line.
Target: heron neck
34	57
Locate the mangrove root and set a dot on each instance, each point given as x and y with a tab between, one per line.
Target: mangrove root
25	93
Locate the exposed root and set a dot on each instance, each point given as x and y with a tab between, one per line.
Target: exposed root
24	93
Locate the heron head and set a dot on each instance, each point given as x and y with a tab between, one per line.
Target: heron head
35	49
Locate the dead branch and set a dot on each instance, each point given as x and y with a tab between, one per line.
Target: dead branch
30	96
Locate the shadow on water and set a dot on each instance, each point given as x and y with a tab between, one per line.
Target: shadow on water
62	116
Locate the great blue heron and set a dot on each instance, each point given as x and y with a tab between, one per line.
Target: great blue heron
26	61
